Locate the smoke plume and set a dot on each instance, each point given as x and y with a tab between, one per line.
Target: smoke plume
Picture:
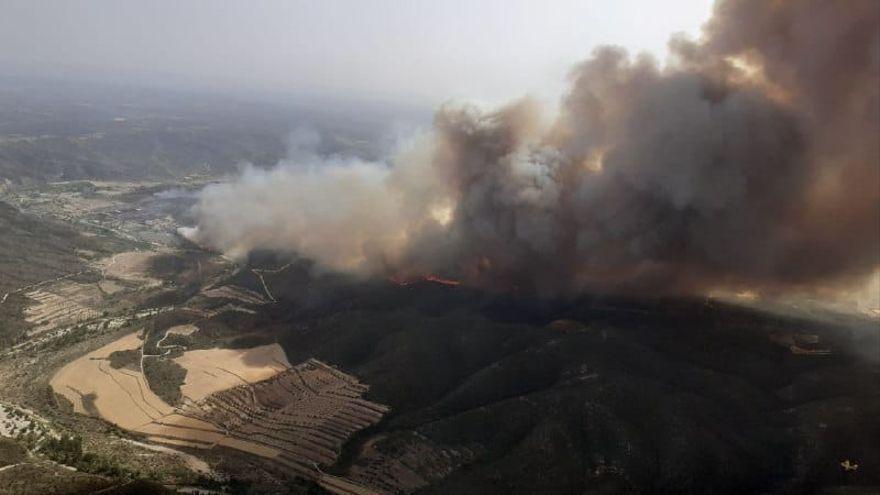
749	160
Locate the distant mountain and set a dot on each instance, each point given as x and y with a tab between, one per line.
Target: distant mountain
128	153
49	134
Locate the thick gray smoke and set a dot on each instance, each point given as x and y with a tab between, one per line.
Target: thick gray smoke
751	160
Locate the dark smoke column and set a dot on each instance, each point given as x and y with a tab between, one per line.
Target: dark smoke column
749	161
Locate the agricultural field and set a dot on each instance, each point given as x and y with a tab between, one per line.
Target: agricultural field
133	344
249	400
130	357
117	249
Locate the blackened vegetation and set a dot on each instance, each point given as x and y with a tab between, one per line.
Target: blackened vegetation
595	393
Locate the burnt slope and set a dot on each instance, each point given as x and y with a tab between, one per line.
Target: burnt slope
594	395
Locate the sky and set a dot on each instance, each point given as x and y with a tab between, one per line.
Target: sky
425	51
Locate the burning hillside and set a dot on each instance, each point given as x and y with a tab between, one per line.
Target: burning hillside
748	161
426	278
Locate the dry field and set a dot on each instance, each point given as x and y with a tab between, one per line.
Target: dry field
110	287
214	370
62	303
118	188
250	400
122	396
130	266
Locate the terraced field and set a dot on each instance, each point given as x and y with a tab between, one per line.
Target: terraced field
306	413
62	303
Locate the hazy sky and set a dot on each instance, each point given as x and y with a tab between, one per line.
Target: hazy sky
417	50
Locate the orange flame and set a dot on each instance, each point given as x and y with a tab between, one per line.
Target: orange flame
424	278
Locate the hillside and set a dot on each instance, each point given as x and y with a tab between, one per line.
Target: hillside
33	249
506	394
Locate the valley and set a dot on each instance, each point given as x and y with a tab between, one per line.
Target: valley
95	342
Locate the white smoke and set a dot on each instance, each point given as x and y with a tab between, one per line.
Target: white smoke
344	213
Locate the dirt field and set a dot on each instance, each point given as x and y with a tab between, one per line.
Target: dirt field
110	287
213	370
122	397
306	412
64	302
182	330
131	266
251	400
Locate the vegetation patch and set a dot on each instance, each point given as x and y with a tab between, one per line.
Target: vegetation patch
11	452
128	359
67	450
165	378
44	478
13	327
88	401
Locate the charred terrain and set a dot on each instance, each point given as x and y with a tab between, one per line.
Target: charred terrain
507	394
